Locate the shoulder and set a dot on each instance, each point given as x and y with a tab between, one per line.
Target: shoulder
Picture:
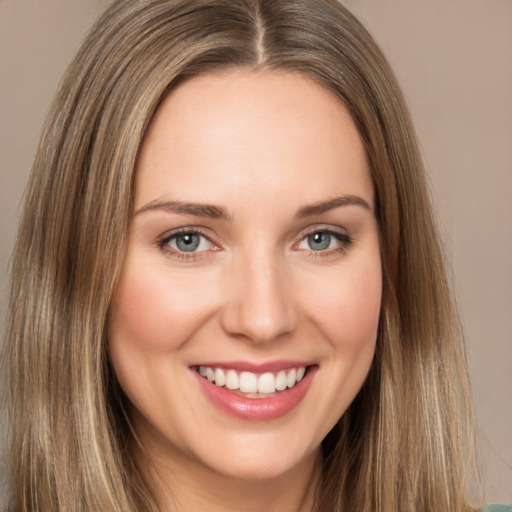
497	508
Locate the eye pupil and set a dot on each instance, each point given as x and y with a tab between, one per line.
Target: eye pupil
319	241
188	242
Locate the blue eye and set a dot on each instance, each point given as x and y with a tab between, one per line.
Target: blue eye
319	241
324	241
187	242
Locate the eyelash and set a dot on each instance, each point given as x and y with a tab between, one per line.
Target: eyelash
344	243
163	244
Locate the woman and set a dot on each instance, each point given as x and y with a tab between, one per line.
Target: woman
228	290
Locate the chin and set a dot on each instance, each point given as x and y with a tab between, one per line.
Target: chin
257	468
259	456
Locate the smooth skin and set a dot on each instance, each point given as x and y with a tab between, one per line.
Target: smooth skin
283	263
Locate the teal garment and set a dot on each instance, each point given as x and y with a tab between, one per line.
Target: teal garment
497	508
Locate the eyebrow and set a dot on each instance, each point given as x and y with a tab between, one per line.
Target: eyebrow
220	213
183	207
325	206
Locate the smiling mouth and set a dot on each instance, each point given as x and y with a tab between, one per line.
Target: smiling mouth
253	385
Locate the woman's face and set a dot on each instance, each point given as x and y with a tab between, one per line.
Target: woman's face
253	260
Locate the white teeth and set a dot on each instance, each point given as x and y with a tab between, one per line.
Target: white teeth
291	378
249	382
281	381
266	383
232	381
220	377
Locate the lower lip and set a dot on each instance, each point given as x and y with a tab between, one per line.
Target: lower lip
257	409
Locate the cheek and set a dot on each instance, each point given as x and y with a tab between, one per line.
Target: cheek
347	312
156	310
154	313
360	304
346	307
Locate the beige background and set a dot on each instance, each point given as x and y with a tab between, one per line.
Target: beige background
454	60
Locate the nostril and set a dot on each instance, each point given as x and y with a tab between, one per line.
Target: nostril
260	322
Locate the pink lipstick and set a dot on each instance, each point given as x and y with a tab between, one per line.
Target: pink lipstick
255	392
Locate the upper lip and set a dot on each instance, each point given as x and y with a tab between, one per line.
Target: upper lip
256	367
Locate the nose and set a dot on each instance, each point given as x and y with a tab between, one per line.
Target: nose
260	304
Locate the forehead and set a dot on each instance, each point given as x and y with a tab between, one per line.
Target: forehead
226	133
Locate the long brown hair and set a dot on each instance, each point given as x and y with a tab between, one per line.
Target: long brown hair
404	443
